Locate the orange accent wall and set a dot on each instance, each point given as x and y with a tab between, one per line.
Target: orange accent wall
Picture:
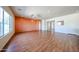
26	24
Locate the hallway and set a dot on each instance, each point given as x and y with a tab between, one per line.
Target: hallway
43	42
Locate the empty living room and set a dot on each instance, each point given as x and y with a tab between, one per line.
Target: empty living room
39	28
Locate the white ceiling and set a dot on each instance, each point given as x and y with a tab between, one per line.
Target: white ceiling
44	12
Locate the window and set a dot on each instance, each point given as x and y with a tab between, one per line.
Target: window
5	22
1	21
10	23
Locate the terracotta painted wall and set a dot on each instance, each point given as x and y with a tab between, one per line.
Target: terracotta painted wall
26	24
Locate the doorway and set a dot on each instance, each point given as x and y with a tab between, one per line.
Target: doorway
51	26
48	26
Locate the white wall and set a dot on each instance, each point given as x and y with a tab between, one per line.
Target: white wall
71	24
6	38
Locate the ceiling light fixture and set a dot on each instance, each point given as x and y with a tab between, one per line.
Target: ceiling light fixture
19	9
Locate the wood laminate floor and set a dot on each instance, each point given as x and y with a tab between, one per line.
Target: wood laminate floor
43	42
